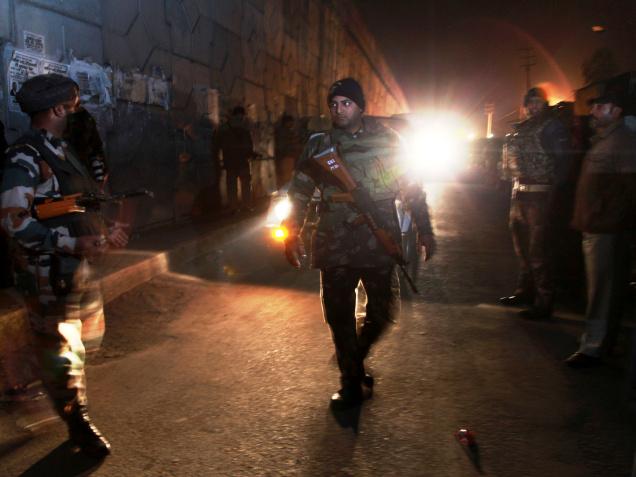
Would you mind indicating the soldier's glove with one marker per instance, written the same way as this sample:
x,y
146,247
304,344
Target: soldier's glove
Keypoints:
x,y
294,250
427,242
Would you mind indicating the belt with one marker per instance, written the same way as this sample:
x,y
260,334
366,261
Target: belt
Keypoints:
x,y
518,187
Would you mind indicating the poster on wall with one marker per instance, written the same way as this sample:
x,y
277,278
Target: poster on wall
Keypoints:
x,y
21,67
93,80
159,92
54,67
130,86
33,42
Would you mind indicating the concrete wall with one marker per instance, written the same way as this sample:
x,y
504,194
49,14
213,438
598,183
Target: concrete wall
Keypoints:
x,y
273,56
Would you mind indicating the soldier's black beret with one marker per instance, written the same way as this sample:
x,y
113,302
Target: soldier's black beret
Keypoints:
x,y
45,91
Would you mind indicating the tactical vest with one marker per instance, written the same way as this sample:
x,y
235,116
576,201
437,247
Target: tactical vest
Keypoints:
x,y
72,178
340,239
526,158
365,166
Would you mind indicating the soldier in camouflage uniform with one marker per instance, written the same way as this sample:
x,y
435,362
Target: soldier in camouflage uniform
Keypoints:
x,y
64,302
345,250
536,159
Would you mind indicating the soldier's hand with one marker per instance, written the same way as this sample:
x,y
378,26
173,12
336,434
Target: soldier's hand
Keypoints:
x,y
117,237
428,244
91,245
294,249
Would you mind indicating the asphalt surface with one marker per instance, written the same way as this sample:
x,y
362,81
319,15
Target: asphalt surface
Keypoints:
x,y
224,367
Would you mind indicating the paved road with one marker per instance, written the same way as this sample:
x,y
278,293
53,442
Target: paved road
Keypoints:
x,y
224,368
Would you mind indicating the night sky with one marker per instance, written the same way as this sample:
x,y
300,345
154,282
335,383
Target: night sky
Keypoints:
x,y
460,55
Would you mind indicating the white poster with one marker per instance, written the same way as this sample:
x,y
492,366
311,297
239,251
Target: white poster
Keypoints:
x,y
54,67
159,92
93,80
130,86
21,67
33,42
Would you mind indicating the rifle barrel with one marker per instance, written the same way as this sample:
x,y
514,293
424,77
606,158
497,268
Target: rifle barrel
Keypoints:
x,y
409,279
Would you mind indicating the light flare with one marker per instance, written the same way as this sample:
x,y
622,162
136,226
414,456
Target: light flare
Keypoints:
x,y
437,145
280,233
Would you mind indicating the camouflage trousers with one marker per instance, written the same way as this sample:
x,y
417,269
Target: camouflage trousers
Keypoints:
x,y
530,227
65,327
338,293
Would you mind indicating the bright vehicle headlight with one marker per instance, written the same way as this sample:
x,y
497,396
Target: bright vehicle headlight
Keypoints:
x,y
282,209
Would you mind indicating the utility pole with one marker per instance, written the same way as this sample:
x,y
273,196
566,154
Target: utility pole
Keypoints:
x,y
529,60
489,109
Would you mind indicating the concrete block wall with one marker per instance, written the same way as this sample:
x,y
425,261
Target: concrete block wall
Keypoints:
x,y
272,56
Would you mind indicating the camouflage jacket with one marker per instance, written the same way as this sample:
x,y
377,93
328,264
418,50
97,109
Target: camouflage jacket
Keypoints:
x,y
372,156
28,177
536,152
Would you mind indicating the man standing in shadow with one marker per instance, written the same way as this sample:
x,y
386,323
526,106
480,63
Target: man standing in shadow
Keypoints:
x,y
235,142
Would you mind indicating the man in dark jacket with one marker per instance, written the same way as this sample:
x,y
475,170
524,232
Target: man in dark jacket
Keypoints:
x,y
82,134
235,141
288,148
605,211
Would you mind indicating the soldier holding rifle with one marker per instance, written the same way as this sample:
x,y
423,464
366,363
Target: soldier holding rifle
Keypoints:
x,y
52,260
356,167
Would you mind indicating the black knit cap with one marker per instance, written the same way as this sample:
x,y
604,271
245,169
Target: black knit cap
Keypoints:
x,y
349,88
45,91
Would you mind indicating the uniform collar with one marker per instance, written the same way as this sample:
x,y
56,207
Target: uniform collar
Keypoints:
x,y
49,137
55,144
343,133
369,126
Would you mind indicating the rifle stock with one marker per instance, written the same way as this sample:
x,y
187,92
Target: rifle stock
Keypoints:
x,y
334,169
50,208
77,203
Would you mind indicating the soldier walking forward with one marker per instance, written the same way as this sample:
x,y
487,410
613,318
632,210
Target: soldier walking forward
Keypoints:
x,y
52,255
344,249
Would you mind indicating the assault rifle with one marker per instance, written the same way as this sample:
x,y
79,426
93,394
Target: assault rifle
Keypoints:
x,y
77,203
330,166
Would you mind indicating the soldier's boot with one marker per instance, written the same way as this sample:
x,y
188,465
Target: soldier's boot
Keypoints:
x,y
368,381
350,396
541,309
352,393
84,434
